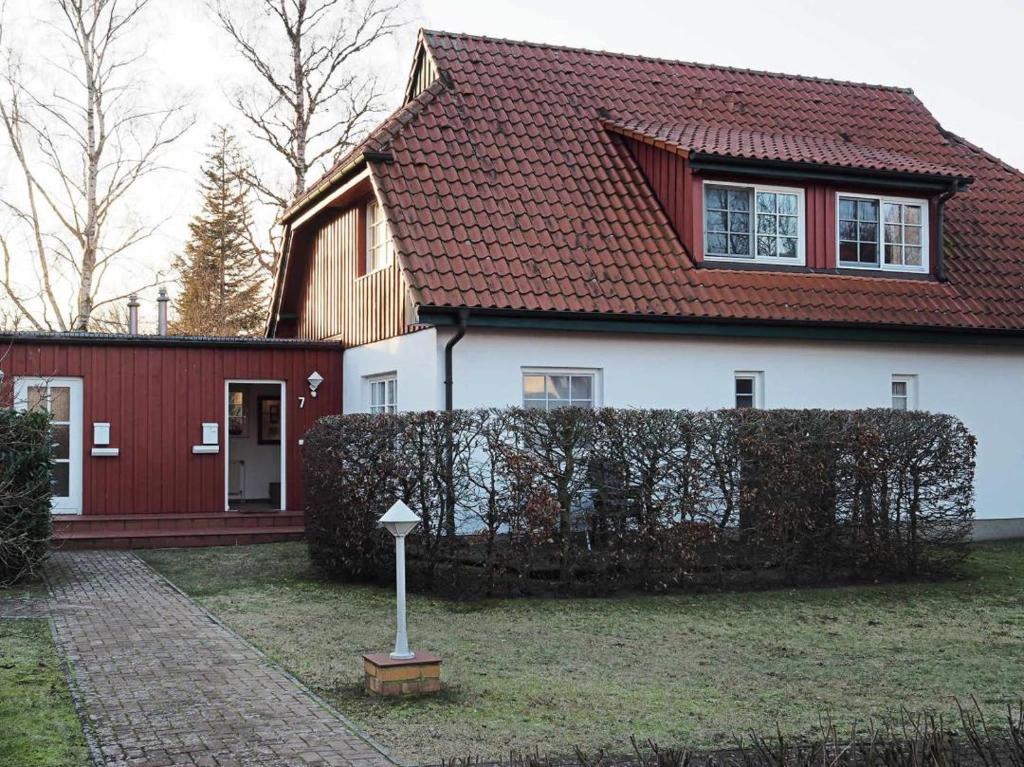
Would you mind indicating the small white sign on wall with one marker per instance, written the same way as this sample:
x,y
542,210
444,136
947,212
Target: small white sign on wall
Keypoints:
x,y
211,433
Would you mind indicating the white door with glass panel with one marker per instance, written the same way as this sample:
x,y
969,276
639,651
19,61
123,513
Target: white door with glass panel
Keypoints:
x,y
62,399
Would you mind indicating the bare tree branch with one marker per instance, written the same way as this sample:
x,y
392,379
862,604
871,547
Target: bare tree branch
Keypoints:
x,y
312,98
83,140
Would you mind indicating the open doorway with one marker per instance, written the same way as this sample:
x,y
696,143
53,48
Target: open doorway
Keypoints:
x,y
254,462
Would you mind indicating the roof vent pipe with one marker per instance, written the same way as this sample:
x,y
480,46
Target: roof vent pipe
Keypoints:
x,y
161,312
133,314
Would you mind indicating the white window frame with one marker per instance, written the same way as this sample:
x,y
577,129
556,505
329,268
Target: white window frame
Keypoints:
x,y
881,199
801,225
379,253
757,376
593,373
378,380
910,380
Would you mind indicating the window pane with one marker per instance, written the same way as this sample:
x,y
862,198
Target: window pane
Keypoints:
x,y
847,230
892,232
787,226
61,441
787,247
868,253
60,403
36,398
535,404
739,222
765,202
392,391
744,386
62,480
739,245
744,401
533,386
714,198
715,220
868,232
912,256
582,387
867,210
892,213
893,255
912,214
558,386
899,403
787,204
718,244
848,252
912,235
739,199
847,208
766,224
899,388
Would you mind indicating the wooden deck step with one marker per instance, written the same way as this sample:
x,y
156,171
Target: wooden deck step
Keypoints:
x,y
167,539
176,530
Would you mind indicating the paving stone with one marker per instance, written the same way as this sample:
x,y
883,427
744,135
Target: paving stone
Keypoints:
x,y
164,685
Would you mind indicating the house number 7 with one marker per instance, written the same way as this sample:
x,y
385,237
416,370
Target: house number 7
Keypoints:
x,y
302,402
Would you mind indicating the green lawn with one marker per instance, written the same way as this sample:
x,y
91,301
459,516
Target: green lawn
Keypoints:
x,y
693,669
38,724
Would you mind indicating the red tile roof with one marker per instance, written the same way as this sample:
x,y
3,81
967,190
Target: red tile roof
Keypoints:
x,y
508,192
726,141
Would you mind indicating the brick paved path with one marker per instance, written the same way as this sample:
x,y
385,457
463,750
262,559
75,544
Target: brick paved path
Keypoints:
x,y
164,684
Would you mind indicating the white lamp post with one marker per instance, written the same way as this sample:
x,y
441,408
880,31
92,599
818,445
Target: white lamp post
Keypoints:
x,y
400,521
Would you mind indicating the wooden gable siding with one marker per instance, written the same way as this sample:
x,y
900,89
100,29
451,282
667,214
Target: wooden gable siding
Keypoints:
x,y
156,399
668,175
335,299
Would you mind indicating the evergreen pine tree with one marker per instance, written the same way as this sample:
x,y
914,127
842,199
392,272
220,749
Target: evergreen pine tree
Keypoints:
x,y
222,292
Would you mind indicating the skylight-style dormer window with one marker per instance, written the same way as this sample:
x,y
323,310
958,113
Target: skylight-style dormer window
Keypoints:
x,y
888,233
760,224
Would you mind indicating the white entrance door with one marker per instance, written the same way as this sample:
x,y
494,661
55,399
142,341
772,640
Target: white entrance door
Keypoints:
x,y
62,398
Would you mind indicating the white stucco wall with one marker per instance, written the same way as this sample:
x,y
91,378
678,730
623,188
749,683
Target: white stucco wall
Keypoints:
x,y
981,385
412,356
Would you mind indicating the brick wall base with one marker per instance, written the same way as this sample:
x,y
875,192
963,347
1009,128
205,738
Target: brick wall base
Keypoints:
x,y
416,676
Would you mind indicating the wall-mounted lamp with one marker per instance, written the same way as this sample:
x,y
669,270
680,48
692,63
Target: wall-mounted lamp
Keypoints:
x,y
315,379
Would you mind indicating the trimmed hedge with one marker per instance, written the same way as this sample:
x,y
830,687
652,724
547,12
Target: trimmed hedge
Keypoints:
x,y
25,493
582,501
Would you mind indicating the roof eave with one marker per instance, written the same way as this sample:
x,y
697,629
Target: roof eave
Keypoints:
x,y
742,328
819,172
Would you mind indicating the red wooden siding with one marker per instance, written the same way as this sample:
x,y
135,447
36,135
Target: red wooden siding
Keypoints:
x,y
156,399
335,298
668,175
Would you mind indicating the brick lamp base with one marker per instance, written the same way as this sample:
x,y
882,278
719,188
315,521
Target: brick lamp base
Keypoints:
x,y
415,676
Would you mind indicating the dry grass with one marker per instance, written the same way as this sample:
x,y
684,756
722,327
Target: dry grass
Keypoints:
x,y
693,669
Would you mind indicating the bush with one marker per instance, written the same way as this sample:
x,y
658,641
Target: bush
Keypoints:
x,y
579,501
25,492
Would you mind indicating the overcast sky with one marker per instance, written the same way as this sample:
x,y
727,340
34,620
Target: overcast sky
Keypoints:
x,y
964,60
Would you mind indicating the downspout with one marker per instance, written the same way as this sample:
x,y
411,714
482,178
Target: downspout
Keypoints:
x,y
449,379
940,249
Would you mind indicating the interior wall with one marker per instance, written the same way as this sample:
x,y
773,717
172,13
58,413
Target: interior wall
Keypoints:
x,y
262,462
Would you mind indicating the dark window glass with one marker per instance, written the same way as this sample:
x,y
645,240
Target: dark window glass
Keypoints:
x,y
858,231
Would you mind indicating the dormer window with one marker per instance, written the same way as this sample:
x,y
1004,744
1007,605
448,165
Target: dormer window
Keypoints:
x,y
888,233
754,223
378,238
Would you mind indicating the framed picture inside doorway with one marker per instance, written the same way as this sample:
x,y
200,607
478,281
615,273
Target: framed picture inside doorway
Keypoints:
x,y
269,420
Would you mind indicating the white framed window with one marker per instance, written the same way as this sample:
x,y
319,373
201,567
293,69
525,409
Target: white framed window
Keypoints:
x,y
382,391
748,389
878,232
379,252
547,389
754,223
904,392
